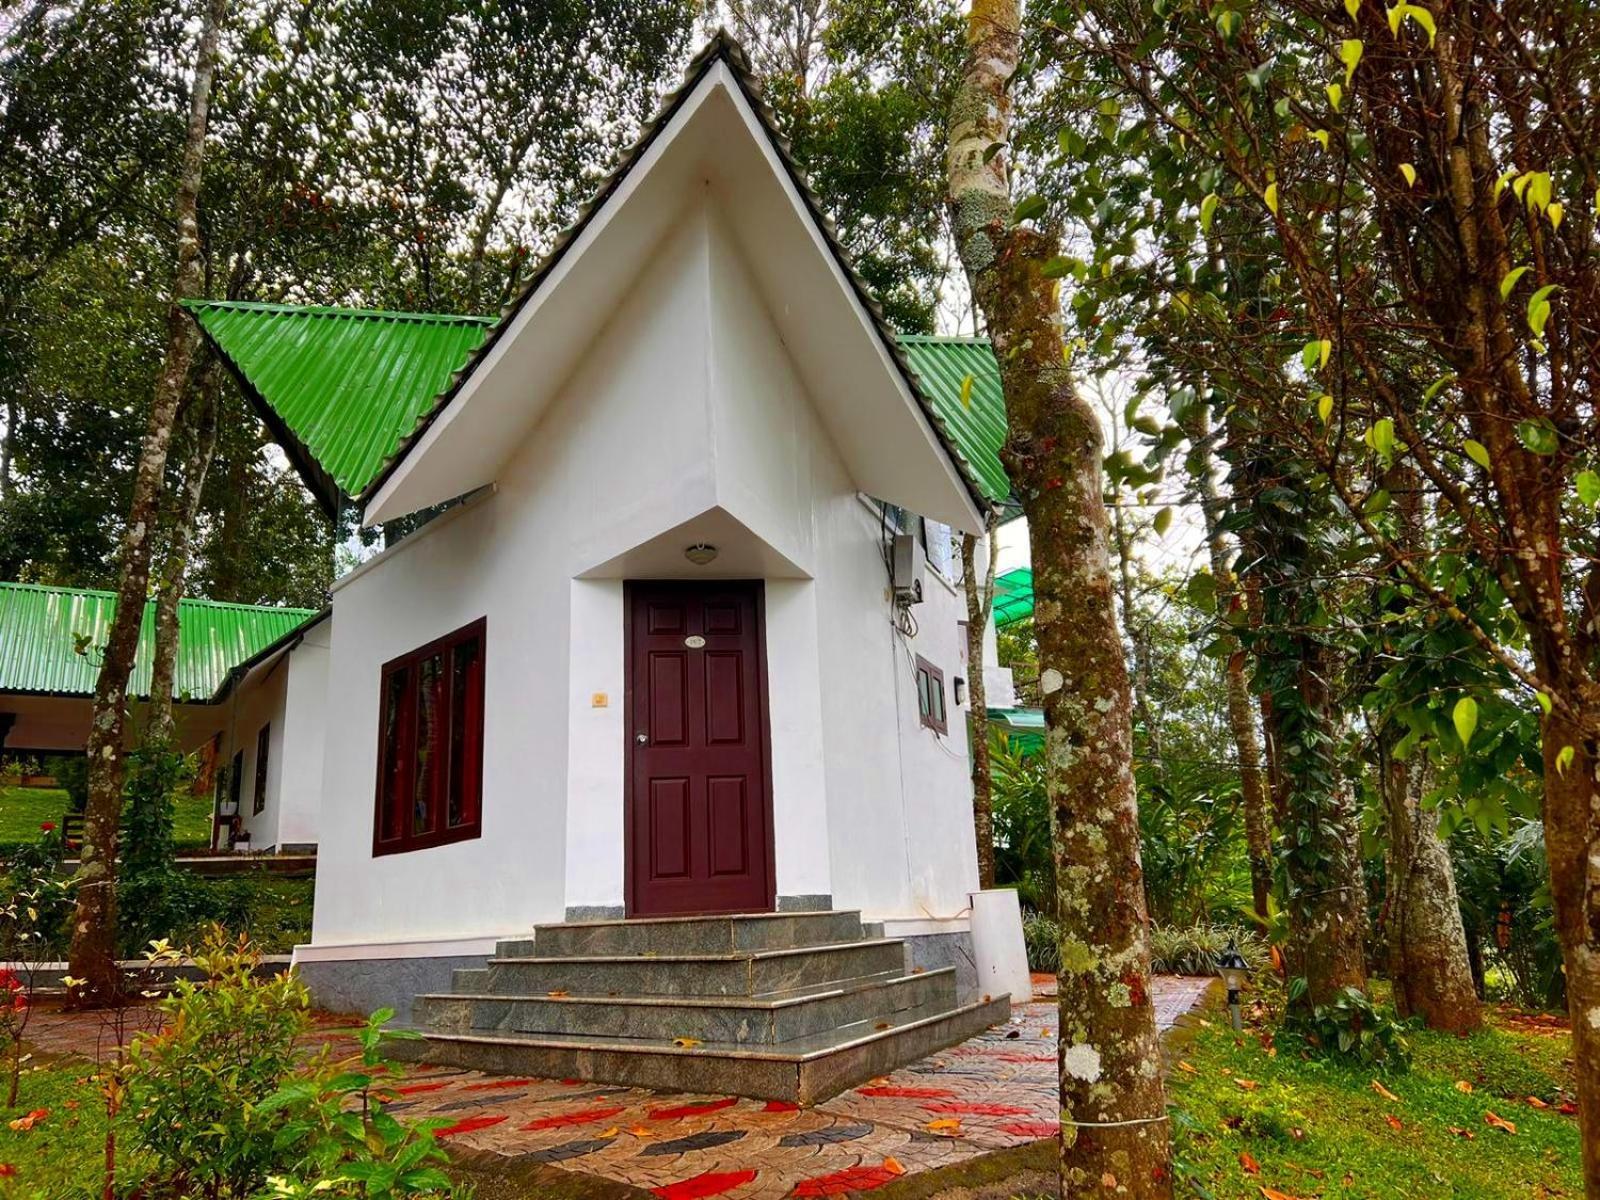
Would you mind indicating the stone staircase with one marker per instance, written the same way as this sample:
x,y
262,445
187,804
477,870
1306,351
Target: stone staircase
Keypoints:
x,y
780,1006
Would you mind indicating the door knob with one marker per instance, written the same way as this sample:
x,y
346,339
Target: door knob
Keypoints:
x,y
641,738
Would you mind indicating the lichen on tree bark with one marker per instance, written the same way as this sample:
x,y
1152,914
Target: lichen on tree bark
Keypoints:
x,y
1114,1127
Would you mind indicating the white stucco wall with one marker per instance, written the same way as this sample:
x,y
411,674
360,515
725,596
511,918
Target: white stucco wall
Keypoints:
x,y
247,710
685,421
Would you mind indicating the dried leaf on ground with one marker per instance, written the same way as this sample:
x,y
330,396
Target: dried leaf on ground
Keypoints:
x,y
1248,1162
1385,1092
1498,1122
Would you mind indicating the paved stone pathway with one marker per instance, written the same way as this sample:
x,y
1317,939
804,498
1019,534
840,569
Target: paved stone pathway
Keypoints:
x,y
994,1091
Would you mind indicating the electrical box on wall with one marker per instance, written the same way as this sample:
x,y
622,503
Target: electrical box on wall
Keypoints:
x,y
907,563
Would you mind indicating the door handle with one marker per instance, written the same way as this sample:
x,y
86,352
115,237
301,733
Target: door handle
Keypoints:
x,y
642,738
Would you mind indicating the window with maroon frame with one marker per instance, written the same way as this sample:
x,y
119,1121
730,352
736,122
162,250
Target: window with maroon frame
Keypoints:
x,y
930,696
430,744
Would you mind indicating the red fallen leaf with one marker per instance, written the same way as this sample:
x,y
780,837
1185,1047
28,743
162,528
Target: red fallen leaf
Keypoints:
x,y
7,1171
851,1179
23,1124
494,1085
1535,1102
697,1187
1275,1194
776,1106
692,1110
1248,1162
908,1093
1568,1109
1498,1122
470,1125
1394,1122
412,1089
587,1117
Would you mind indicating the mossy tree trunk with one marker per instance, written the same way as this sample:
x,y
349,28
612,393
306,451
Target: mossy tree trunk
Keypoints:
x,y
1114,1124
980,604
94,928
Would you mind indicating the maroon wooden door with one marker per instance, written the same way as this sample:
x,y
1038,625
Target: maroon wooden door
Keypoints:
x,y
699,801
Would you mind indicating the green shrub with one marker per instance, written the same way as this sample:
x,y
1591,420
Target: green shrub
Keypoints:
x,y
1349,1026
1195,949
220,1104
71,773
1042,937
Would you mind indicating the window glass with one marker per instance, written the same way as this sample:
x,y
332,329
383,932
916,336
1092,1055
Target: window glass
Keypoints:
x,y
263,741
930,695
430,758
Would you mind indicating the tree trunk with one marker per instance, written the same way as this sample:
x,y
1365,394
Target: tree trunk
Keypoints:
x,y
1114,1123
1428,961
1572,845
980,603
93,955
169,590
1241,710
1138,637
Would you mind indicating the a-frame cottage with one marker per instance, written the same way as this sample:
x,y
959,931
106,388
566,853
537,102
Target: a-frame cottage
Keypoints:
x,y
656,731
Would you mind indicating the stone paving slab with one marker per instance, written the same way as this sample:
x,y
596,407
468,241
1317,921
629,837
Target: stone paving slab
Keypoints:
x,y
993,1092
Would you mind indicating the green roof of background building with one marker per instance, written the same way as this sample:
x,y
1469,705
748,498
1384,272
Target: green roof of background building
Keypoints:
x,y
41,627
1013,597
342,388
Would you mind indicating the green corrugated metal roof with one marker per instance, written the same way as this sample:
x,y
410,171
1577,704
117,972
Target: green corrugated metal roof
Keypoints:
x,y
978,428
343,387
39,627
1013,597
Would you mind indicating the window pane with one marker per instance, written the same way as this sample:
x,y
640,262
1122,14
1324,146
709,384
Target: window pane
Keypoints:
x,y
392,802
236,778
263,741
466,721
430,743
922,691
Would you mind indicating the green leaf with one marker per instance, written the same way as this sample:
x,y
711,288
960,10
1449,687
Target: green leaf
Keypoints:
x,y
1335,95
1539,436
1208,210
1350,52
1314,355
1409,174
1377,502
991,150
1509,280
1163,521
1270,196
1030,208
1401,12
1381,437
1588,484
1539,308
1437,386
1353,7
966,391
1229,23
1058,267
1564,758
1465,718
1325,407
1544,701
1477,452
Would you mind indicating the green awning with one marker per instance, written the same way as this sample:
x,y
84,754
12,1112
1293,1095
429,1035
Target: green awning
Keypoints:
x,y
42,627
1013,597
342,388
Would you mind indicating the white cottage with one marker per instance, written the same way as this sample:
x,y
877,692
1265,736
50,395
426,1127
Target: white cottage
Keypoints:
x,y
685,643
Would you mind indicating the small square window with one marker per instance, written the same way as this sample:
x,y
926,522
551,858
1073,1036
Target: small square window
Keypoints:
x,y
930,696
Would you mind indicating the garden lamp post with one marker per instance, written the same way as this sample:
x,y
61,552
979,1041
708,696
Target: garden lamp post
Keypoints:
x,y
1234,973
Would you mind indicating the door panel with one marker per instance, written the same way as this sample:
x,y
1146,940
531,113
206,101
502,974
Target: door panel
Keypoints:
x,y
699,798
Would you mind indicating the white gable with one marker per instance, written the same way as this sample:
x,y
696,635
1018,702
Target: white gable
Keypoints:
x,y
711,161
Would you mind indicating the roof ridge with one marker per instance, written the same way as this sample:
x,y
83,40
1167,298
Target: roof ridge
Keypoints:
x,y
108,594
943,339
340,310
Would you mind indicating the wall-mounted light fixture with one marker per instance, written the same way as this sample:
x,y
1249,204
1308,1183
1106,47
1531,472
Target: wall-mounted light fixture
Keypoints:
x,y
961,691
700,553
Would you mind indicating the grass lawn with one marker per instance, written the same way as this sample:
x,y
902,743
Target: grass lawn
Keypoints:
x,y
62,1153
23,810
1311,1128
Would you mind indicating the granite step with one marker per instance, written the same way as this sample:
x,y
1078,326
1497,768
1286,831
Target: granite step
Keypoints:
x,y
746,973
805,1070
742,1020
687,935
